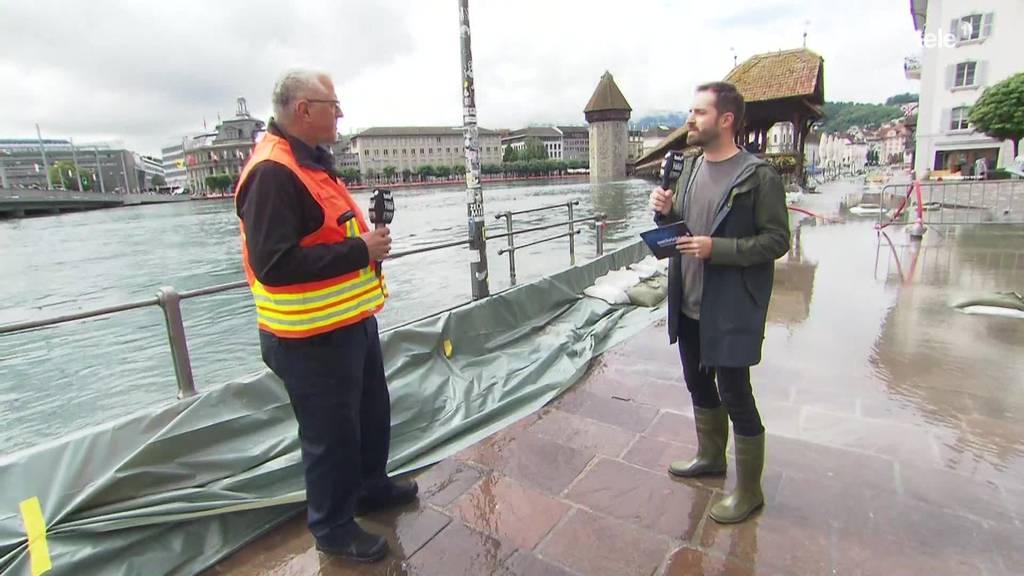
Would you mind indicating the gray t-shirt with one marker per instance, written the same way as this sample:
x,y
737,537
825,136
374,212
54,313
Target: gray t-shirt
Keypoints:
x,y
708,190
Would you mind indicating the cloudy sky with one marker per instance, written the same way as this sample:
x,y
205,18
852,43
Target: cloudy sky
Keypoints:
x,y
147,72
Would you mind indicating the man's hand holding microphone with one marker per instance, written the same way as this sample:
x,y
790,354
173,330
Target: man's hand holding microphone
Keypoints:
x,y
378,243
382,212
661,203
661,198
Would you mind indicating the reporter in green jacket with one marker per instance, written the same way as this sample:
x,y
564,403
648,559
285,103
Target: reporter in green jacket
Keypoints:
x,y
719,287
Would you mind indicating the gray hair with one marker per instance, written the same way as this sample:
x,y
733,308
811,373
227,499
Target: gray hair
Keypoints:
x,y
291,86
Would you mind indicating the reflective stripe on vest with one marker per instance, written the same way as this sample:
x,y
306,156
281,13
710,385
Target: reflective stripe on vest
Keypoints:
x,y
311,308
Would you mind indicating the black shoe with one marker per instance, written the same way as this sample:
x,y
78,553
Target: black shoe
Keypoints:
x,y
353,543
392,494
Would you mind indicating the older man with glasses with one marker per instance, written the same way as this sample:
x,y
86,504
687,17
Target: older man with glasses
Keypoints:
x,y
312,263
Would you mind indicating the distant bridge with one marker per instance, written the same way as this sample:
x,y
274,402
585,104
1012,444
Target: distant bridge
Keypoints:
x,y
19,203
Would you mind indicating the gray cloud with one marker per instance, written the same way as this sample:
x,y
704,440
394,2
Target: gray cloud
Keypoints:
x,y
147,72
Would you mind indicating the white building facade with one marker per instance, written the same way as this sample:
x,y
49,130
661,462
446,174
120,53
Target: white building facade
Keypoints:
x,y
550,137
780,138
967,46
173,156
409,147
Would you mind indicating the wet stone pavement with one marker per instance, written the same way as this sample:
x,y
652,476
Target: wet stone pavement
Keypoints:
x,y
895,442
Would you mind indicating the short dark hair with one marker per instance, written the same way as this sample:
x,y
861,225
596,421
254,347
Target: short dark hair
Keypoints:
x,y
727,99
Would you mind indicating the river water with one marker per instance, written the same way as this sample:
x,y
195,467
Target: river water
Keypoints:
x,y
57,380
860,324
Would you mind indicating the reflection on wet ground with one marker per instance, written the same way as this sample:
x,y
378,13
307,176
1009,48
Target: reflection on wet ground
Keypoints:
x,y
896,439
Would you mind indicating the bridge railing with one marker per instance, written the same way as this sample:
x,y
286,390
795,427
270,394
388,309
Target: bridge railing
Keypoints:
x,y
598,221
169,299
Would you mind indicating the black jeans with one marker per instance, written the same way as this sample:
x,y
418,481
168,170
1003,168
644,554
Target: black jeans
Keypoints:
x,y
733,388
340,397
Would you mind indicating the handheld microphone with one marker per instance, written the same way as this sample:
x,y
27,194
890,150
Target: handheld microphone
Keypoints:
x,y
382,211
671,169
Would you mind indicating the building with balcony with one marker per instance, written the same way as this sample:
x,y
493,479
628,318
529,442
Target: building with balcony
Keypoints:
x,y
967,46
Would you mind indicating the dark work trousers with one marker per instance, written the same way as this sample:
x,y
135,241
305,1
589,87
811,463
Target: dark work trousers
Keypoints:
x,y
733,389
340,397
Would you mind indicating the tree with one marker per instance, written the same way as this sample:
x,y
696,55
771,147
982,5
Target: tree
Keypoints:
x,y
999,112
159,180
840,116
349,175
219,182
905,98
443,171
510,155
549,166
424,171
535,149
406,175
62,173
371,174
517,168
389,173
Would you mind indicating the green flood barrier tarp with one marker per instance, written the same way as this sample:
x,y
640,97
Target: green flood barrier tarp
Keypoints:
x,y
174,489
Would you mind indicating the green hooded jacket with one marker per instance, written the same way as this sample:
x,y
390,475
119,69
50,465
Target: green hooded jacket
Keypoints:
x,y
750,231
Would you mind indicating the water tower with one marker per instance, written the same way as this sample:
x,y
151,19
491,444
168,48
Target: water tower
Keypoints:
x,y
607,114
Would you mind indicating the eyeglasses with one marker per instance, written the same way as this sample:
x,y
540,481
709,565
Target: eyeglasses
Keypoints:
x,y
335,103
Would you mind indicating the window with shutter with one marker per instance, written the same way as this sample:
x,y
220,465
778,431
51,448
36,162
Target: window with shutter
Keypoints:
x,y
965,74
986,26
959,118
968,28
981,74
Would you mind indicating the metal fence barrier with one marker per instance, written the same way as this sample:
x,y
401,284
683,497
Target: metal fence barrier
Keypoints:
x,y
954,203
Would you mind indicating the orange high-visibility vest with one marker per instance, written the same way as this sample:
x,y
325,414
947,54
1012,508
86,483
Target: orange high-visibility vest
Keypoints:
x,y
311,308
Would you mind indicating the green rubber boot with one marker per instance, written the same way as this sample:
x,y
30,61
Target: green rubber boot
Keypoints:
x,y
712,437
747,497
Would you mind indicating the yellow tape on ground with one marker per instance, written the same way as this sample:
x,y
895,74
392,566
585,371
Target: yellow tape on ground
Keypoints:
x,y
35,529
